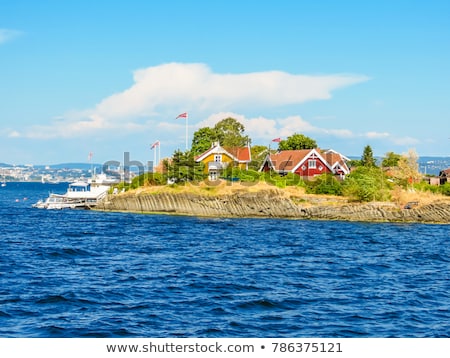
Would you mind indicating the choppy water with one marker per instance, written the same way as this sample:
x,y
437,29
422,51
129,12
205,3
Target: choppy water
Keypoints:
x,y
93,274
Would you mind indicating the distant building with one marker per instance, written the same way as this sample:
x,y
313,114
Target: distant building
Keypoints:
x,y
444,176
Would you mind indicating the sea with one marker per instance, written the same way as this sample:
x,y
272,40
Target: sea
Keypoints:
x,y
77,273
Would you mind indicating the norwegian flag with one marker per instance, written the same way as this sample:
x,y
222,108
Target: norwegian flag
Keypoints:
x,y
278,140
182,115
156,144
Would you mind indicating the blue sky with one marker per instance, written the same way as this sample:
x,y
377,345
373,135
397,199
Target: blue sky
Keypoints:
x,y
110,77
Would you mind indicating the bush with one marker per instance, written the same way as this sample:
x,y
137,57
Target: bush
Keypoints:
x,y
435,189
245,176
146,179
282,181
423,186
367,184
445,189
324,184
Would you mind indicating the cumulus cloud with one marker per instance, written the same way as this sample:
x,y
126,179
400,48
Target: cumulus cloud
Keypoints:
x,y
178,85
261,128
163,91
268,128
8,35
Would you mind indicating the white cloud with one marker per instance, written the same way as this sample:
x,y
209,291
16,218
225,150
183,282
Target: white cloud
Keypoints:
x,y
166,90
76,128
261,128
376,135
178,85
14,134
8,35
400,141
266,128
405,141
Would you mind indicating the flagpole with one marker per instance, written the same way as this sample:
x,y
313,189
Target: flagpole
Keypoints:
x,y
187,116
154,159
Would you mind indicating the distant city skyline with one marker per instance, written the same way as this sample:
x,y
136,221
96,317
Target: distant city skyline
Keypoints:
x,y
105,78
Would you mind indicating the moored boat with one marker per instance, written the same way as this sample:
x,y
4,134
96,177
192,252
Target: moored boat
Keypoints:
x,y
79,195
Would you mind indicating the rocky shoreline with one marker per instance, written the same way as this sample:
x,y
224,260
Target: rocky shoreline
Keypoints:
x,y
272,204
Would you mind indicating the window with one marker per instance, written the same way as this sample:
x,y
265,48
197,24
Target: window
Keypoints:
x,y
312,164
218,158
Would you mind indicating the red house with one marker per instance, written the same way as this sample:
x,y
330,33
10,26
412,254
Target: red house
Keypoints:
x,y
307,163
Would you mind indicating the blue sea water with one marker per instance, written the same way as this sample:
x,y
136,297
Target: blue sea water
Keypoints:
x,y
94,274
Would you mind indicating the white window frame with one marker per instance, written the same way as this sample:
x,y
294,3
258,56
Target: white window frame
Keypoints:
x,y
312,163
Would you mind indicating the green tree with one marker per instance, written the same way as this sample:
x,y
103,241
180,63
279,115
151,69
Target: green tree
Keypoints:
x,y
367,159
391,160
408,168
230,133
259,153
367,184
353,163
183,167
324,184
202,140
296,142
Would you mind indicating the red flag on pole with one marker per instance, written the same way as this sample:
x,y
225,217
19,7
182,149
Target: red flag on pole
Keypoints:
x,y
182,115
156,144
90,155
278,140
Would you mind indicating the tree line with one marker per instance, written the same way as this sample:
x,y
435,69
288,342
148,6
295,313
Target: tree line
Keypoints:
x,y
368,180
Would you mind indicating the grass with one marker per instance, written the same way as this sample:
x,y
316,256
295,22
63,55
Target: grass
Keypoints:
x,y
298,194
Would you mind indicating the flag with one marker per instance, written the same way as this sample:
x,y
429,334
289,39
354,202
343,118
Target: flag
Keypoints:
x,y
90,155
156,144
182,115
278,140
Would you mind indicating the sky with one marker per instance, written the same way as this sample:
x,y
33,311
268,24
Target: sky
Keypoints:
x,y
108,77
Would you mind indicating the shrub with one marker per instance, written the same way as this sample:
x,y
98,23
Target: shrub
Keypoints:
x,y
148,179
324,184
367,184
445,189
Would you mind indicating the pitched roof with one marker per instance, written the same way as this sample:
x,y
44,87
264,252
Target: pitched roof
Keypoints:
x,y
333,158
289,160
239,154
242,154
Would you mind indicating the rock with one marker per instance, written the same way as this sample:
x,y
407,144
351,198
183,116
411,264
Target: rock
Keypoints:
x,y
272,204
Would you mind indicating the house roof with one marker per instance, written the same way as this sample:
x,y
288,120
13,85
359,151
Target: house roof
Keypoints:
x,y
290,160
445,173
287,160
242,154
239,154
334,158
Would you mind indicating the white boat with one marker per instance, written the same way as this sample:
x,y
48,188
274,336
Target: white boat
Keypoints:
x,y
79,195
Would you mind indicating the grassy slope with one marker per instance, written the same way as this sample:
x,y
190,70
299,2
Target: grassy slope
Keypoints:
x,y
399,197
